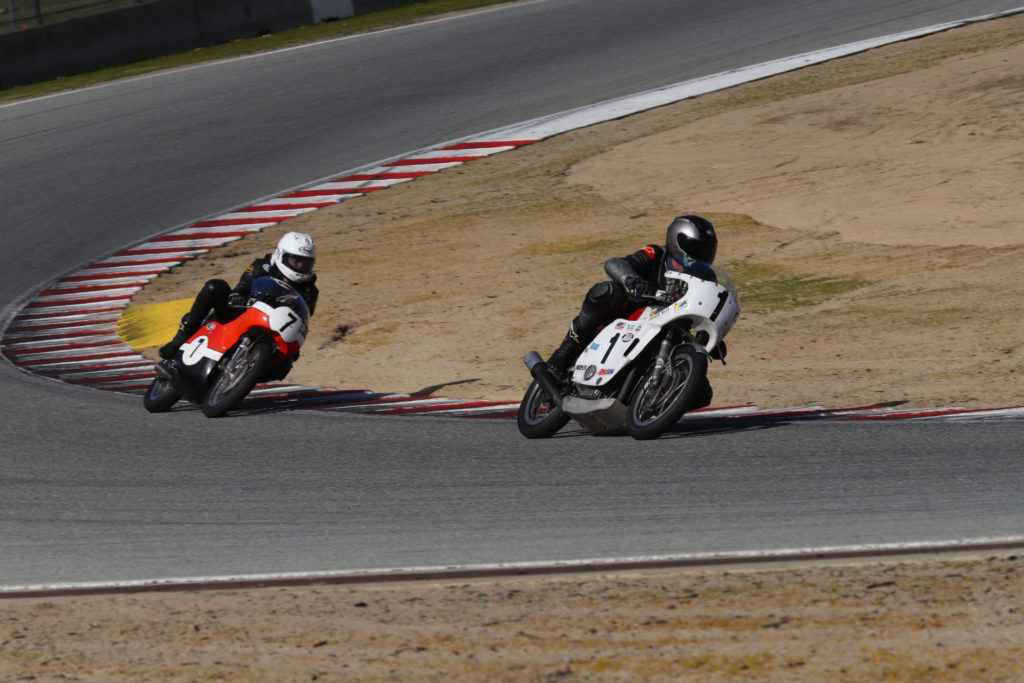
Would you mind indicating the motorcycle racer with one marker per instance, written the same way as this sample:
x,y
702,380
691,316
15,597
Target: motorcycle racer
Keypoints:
x,y
292,261
690,247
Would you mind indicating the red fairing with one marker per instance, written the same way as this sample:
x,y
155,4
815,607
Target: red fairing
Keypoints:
x,y
223,337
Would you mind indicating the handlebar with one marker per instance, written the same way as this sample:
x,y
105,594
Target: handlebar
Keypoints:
x,y
660,297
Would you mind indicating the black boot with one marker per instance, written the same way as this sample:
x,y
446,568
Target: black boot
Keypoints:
x,y
566,353
190,324
703,397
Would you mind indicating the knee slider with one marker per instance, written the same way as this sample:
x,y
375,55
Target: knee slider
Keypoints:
x,y
217,288
601,294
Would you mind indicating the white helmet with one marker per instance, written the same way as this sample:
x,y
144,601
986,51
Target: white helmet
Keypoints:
x,y
294,256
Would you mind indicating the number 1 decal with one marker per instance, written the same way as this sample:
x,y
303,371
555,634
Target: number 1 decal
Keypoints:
x,y
722,298
611,346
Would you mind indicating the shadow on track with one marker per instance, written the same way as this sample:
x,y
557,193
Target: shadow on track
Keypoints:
x,y
696,424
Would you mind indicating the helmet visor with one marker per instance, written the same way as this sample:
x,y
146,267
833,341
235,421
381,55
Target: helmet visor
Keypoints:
x,y
300,264
679,266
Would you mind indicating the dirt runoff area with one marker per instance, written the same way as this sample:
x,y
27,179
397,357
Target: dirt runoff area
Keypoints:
x,y
869,210
952,620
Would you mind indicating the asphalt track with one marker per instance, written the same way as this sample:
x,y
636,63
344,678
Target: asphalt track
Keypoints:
x,y
94,489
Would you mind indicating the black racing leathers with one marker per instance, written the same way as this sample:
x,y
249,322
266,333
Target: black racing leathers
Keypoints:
x,y
608,300
214,295
263,266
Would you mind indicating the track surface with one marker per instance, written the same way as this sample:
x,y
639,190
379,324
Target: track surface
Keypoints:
x,y
92,488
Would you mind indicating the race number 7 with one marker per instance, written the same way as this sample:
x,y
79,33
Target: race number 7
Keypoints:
x,y
292,319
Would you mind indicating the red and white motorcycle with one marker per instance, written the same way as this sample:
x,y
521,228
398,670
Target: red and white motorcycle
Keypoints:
x,y
220,364
642,372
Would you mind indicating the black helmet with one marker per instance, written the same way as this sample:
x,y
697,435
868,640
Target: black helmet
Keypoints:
x,y
691,237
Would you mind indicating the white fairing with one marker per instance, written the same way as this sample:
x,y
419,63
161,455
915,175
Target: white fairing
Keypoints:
x,y
196,350
707,306
283,320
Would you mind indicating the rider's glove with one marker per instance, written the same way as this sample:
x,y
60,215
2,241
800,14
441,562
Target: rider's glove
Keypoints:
x,y
637,288
236,300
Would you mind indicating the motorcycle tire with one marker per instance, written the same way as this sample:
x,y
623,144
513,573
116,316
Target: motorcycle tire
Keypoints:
x,y
160,395
236,380
539,417
653,409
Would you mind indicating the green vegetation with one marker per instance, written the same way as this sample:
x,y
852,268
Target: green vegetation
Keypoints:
x,y
407,14
765,288
598,247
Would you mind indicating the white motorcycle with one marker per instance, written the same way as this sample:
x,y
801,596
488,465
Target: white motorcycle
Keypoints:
x,y
643,371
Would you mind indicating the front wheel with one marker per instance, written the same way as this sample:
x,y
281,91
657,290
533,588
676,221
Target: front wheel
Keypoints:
x,y
657,405
160,395
539,417
240,374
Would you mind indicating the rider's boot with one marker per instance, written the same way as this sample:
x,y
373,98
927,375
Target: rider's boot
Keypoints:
x,y
190,324
703,397
566,353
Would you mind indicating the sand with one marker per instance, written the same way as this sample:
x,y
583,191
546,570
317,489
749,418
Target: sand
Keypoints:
x,y
866,208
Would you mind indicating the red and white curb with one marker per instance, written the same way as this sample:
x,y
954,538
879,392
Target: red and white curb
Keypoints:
x,y
68,331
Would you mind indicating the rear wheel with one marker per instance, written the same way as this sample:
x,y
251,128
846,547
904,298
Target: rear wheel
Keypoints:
x,y
657,405
539,416
239,375
160,395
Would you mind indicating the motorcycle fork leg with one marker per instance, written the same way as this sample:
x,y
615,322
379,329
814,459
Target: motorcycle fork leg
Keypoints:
x,y
664,353
627,386
243,344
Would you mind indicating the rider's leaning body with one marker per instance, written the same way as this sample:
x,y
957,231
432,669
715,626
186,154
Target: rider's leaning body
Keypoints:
x,y
292,261
690,247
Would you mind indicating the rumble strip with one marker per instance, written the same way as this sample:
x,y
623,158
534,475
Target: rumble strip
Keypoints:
x,y
68,331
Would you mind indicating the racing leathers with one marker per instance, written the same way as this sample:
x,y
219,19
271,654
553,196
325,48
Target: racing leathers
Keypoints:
x,y
226,303
633,277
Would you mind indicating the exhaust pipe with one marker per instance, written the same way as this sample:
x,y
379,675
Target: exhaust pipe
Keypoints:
x,y
535,364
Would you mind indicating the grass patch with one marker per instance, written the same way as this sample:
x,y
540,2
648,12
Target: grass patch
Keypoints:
x,y
602,246
407,14
768,288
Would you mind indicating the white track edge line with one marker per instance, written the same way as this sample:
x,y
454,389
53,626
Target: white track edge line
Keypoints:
x,y
753,555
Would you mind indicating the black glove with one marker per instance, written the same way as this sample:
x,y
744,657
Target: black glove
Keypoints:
x,y
637,288
236,300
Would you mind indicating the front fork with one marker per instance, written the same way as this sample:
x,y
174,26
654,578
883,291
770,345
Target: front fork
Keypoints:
x,y
664,356
240,352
